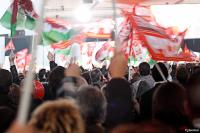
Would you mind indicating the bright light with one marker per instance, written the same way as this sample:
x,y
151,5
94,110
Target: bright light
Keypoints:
x,y
83,14
183,16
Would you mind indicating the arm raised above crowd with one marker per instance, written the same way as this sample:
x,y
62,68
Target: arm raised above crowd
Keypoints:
x,y
73,70
118,65
51,58
13,69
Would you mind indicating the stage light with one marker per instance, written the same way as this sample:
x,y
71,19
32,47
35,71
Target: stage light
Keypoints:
x,y
83,13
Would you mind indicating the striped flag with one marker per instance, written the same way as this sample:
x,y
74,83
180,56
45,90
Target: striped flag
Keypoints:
x,y
162,43
19,14
104,52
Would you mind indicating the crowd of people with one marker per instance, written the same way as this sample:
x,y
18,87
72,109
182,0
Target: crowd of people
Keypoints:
x,y
164,99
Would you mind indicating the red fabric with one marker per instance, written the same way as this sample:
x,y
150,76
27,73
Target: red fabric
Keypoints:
x,y
57,23
38,91
14,12
67,43
21,58
10,46
146,26
27,6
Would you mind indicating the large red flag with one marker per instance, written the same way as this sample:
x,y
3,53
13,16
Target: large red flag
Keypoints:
x,y
162,43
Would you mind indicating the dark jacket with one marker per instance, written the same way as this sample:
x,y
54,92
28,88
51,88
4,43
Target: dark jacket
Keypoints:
x,y
52,65
15,76
94,128
146,103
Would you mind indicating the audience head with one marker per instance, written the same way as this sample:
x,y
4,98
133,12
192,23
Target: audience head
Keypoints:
x,y
193,91
145,127
61,116
92,103
119,98
169,104
156,74
135,77
95,76
7,116
55,77
182,75
5,81
144,69
41,75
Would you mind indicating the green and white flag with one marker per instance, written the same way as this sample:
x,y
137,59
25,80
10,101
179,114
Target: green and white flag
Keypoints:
x,y
19,16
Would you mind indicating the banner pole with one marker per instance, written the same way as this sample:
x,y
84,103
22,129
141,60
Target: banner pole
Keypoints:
x,y
160,71
26,96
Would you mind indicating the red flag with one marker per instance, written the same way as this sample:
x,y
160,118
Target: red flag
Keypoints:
x,y
21,58
27,6
14,18
10,46
103,52
162,43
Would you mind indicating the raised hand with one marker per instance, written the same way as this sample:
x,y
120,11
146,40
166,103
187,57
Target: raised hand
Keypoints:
x,y
51,56
73,69
118,65
12,58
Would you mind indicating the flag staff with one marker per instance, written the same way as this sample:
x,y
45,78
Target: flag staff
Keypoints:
x,y
26,96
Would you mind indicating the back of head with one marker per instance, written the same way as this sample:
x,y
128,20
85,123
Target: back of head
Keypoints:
x,y
41,75
145,127
144,69
5,81
182,75
95,76
61,116
119,98
92,103
56,77
168,103
156,74
7,116
193,91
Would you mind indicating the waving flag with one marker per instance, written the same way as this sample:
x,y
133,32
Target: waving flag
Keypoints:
x,y
21,58
19,14
10,46
162,43
104,52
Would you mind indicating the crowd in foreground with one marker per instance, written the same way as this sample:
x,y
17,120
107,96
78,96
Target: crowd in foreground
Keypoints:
x,y
74,100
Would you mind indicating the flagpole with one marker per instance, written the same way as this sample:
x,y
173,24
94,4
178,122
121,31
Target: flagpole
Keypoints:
x,y
115,24
160,71
26,96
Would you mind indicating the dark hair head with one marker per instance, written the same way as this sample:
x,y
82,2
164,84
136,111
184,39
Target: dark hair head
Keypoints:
x,y
182,75
168,103
56,77
119,98
155,73
144,127
193,91
5,80
7,116
41,75
144,69
92,103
